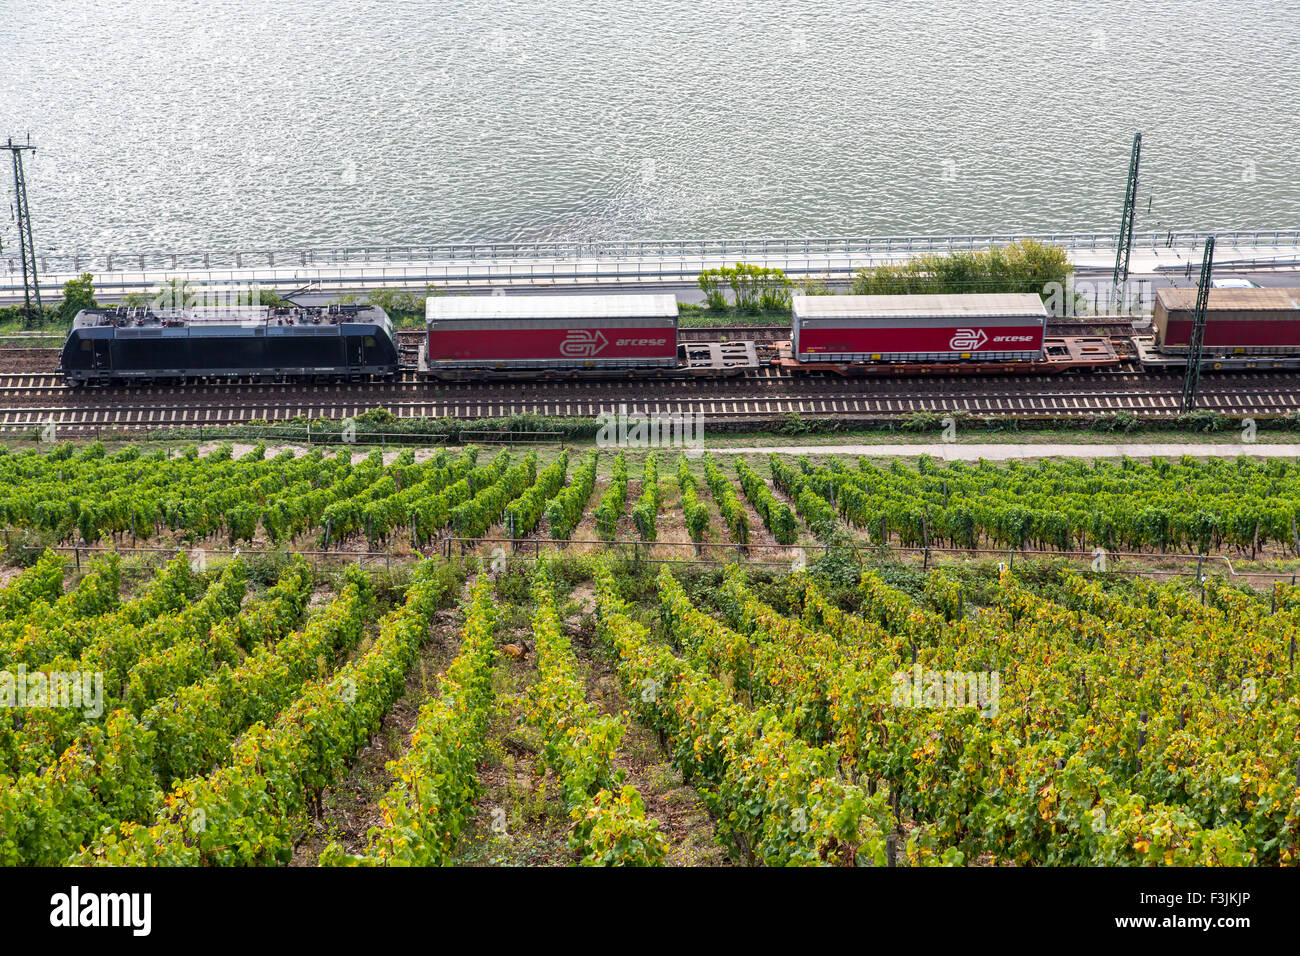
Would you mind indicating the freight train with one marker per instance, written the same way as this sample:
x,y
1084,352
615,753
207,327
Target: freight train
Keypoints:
x,y
528,337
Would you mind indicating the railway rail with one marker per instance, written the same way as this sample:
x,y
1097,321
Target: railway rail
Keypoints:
x,y
765,379
1161,397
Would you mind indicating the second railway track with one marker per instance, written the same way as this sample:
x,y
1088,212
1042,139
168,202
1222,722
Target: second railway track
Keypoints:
x,y
92,418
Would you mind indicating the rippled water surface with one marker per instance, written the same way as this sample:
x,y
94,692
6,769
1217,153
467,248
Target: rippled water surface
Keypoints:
x,y
311,122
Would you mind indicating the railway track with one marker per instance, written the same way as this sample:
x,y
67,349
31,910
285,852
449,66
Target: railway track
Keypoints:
x,y
1161,400
29,388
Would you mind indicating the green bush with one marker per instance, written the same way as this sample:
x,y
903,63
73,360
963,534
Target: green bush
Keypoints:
x,y
753,288
1023,266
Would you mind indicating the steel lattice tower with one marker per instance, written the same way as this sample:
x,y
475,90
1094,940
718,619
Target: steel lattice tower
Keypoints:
x,y
1120,276
1197,342
27,249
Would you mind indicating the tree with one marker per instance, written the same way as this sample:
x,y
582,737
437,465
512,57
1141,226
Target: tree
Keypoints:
x,y
753,288
400,305
78,294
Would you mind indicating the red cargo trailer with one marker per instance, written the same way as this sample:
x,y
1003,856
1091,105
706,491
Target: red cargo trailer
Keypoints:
x,y
1000,327
551,332
1237,321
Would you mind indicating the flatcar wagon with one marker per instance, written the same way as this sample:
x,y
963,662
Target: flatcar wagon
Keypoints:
x,y
1244,328
1237,321
549,332
523,336
139,345
932,334
918,328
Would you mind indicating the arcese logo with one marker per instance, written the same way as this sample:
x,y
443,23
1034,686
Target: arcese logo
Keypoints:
x,y
583,343
970,340
967,340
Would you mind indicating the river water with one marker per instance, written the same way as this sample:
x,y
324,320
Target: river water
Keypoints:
x,y
236,123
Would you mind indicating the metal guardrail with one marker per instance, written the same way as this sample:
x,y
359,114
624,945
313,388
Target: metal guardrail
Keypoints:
x,y
288,257
869,555
438,274
359,558
532,547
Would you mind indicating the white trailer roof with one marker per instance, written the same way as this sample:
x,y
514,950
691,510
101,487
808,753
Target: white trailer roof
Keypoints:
x,y
919,306
550,306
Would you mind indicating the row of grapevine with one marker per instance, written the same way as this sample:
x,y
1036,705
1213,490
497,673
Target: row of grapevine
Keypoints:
x,y
473,518
65,628
95,595
811,506
108,774
695,511
402,510
170,647
93,495
248,811
729,505
197,654
778,799
437,777
388,503
566,509
1115,741
1200,506
433,513
776,515
195,728
523,514
614,500
42,582
197,497
646,510
578,745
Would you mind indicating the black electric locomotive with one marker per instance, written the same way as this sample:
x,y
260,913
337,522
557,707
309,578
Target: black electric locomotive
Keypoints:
x,y
139,345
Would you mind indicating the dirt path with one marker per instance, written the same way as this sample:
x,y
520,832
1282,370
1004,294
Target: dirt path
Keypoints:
x,y
676,807
521,819
351,807
763,545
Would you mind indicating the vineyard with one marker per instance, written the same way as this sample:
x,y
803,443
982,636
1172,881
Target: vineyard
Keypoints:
x,y
348,501
575,706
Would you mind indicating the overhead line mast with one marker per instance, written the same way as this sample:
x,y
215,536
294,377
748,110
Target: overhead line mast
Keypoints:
x,y
1197,342
1119,279
27,249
